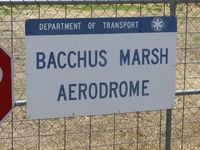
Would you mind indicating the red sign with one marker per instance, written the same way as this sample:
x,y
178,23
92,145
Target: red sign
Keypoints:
x,y
6,88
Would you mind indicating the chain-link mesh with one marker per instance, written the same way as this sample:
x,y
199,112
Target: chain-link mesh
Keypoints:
x,y
127,131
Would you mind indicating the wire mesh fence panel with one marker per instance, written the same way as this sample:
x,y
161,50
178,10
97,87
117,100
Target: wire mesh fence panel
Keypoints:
x,y
120,131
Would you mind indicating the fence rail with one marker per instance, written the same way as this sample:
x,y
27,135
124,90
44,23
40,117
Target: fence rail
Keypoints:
x,y
43,2
178,128
177,93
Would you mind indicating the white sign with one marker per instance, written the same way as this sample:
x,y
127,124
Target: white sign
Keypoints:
x,y
100,65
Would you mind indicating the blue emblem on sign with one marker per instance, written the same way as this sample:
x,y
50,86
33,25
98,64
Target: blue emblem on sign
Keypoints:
x,y
157,24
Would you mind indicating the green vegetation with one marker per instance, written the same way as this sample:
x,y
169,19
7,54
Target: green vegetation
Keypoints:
x,y
5,10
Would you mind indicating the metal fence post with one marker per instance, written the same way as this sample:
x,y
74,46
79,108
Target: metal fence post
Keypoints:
x,y
168,129
172,7
169,111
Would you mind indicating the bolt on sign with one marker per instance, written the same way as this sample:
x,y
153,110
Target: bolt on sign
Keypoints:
x,y
89,66
6,84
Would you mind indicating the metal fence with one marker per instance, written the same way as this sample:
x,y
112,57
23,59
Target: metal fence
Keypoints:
x,y
176,129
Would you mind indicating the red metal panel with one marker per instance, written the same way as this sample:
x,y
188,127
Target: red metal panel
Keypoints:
x,y
5,84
